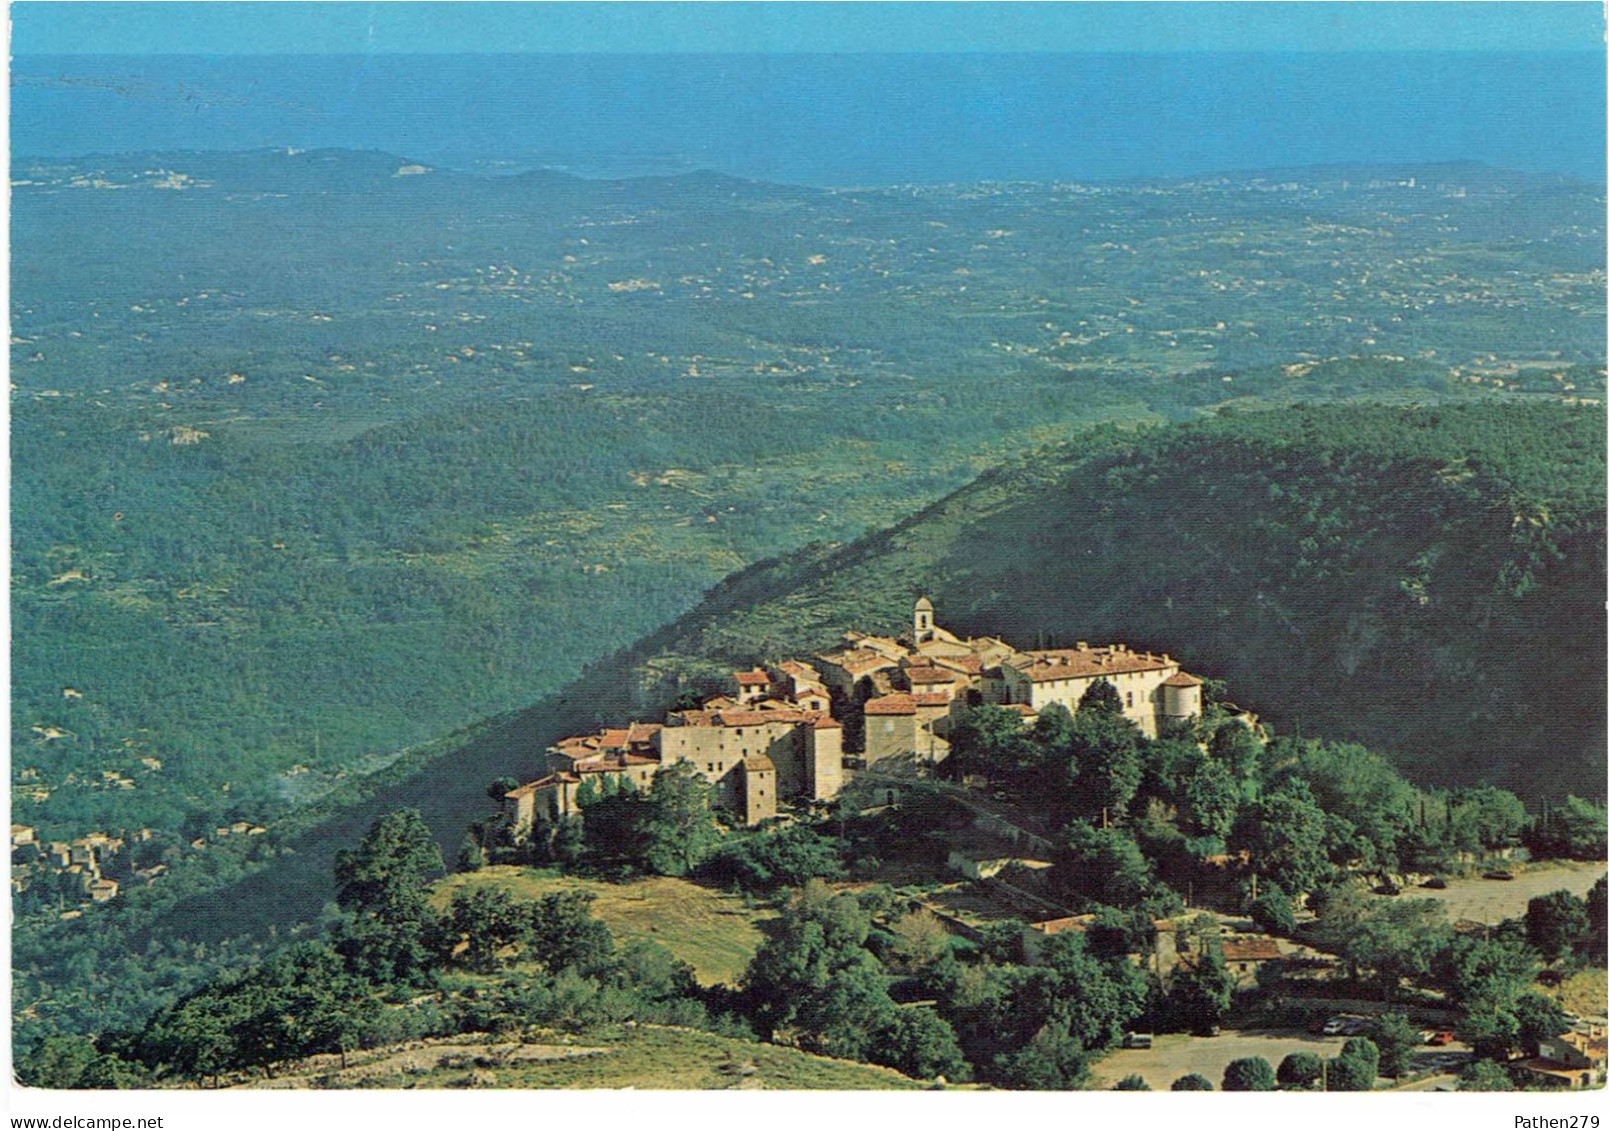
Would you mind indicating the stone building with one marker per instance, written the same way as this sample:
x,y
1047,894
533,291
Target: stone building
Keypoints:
x,y
774,738
1151,687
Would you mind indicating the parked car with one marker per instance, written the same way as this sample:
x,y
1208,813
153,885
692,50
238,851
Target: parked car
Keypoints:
x,y
1136,1040
1435,883
1334,1026
1498,875
1442,1037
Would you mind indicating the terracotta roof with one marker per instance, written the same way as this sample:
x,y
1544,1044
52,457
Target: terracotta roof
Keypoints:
x,y
613,763
896,704
750,678
758,763
827,722
931,699
856,661
1250,950
540,784
1182,679
760,718
694,718
969,665
643,732
1082,663
799,670
929,675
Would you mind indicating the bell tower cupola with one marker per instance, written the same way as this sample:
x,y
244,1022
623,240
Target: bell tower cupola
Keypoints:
x,y
922,625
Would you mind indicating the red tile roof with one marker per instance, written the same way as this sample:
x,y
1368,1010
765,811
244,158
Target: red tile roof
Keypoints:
x,y
896,704
1250,950
613,763
827,722
750,678
1182,679
738,718
1082,663
643,732
540,784
799,670
856,661
929,675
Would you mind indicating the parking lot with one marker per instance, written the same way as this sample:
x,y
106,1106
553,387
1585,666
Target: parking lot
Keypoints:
x,y
1492,901
1173,1055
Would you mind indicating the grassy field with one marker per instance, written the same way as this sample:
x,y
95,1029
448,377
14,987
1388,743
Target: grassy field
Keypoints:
x,y
710,930
1584,994
643,1057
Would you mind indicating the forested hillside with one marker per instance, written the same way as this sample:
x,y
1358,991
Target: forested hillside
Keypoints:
x,y
1425,580
320,454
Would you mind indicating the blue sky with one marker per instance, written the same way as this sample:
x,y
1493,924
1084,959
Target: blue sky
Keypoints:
x,y
320,28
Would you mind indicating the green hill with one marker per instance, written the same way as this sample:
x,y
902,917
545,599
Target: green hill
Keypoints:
x,y
1428,581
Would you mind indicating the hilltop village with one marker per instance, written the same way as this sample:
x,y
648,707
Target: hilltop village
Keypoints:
x,y
778,733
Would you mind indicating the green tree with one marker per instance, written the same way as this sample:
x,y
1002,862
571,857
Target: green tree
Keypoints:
x,y
1300,1072
814,981
383,883
679,831
1101,698
479,925
920,1043
1284,833
1133,1082
1237,750
563,935
387,873
1101,865
471,856
1211,800
1199,996
1556,923
775,858
1104,763
1356,1068
1485,1076
1396,1038
987,739
1272,910
1194,1082
1050,1061
1539,1018
1248,1074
